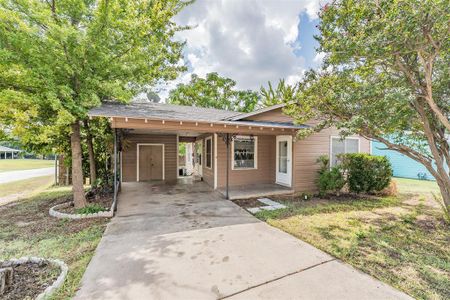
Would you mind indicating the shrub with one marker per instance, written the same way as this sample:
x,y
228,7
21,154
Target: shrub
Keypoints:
x,y
90,209
330,180
366,173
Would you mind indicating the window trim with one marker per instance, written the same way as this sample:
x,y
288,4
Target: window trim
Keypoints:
x,y
206,153
255,138
345,147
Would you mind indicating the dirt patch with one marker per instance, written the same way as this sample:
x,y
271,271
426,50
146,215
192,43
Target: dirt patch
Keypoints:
x,y
30,279
247,203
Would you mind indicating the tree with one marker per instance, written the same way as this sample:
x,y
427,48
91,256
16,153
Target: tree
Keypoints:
x,y
214,92
60,58
386,77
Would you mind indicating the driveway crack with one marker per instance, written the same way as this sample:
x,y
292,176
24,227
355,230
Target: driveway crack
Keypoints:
x,y
276,279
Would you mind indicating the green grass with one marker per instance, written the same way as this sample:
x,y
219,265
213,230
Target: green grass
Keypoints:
x,y
415,186
26,229
24,164
25,187
399,240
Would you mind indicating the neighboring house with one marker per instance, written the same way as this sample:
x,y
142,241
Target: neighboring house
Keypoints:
x,y
402,165
8,153
263,148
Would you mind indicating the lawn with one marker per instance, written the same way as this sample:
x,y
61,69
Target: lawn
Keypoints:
x,y
399,240
24,164
414,186
11,191
26,229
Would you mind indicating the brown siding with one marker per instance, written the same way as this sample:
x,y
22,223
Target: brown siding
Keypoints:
x,y
129,154
266,164
305,156
275,115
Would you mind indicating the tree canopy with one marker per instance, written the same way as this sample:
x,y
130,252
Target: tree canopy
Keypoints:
x,y
214,91
385,76
59,58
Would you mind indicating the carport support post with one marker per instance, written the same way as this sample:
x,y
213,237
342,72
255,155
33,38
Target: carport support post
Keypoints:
x,y
228,162
115,168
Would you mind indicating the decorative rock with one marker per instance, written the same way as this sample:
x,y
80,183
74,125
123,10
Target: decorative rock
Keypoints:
x,y
60,215
6,278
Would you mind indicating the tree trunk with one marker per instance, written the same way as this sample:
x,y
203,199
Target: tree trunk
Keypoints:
x,y
90,146
79,199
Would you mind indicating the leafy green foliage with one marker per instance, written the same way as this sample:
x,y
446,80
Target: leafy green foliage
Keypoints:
x,y
366,173
214,92
60,58
90,209
385,77
330,180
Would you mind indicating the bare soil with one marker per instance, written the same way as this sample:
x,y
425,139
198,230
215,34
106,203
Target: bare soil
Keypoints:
x,y
30,280
104,200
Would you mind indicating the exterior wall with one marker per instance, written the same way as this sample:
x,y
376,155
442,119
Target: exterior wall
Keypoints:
x,y
275,115
265,173
402,165
305,155
129,154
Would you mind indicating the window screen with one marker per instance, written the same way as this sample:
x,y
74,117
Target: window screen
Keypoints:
x,y
209,153
338,146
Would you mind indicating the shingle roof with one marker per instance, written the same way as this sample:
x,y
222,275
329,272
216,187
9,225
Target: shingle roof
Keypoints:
x,y
7,149
161,111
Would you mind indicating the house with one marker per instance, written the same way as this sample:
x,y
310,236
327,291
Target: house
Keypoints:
x,y
402,165
6,152
238,154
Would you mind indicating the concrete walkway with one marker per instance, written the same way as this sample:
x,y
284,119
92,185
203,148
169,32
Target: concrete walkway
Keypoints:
x,y
11,176
186,242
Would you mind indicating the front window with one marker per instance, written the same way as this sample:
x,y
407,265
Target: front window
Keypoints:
x,y
340,146
208,153
244,152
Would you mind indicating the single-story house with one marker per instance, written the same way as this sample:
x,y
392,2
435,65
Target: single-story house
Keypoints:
x,y
6,152
233,151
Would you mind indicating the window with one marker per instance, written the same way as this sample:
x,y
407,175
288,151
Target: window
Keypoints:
x,y
198,153
208,152
339,146
244,152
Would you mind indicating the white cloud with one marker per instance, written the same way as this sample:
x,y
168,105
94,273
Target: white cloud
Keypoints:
x,y
250,41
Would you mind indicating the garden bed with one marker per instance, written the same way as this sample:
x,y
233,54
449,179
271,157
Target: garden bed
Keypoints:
x,y
99,204
33,278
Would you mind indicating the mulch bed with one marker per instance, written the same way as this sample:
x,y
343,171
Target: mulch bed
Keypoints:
x,y
30,279
104,200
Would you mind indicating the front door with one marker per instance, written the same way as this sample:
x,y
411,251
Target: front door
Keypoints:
x,y
150,158
284,160
198,157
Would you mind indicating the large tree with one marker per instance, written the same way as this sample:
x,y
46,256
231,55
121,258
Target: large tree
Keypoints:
x,y
386,77
59,58
213,91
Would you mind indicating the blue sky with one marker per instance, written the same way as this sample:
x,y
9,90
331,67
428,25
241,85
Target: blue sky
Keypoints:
x,y
250,41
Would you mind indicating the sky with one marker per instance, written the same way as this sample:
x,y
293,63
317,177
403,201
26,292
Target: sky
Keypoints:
x,y
250,41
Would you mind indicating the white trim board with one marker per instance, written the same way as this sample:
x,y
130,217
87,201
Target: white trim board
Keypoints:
x,y
163,159
215,160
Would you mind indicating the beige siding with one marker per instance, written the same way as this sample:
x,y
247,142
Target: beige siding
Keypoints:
x,y
305,155
129,154
275,115
265,173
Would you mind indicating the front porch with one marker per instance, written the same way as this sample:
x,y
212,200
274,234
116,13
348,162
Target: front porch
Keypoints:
x,y
255,190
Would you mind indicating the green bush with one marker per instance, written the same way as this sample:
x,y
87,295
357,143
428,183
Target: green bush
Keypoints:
x,y
366,173
90,209
330,180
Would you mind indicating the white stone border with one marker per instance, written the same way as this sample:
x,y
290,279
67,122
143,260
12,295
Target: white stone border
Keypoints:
x,y
60,215
36,260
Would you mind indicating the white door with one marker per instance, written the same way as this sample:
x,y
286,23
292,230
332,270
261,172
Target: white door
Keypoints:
x,y
284,160
199,157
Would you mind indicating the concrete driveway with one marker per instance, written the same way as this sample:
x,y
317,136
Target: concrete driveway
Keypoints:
x,y
186,242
